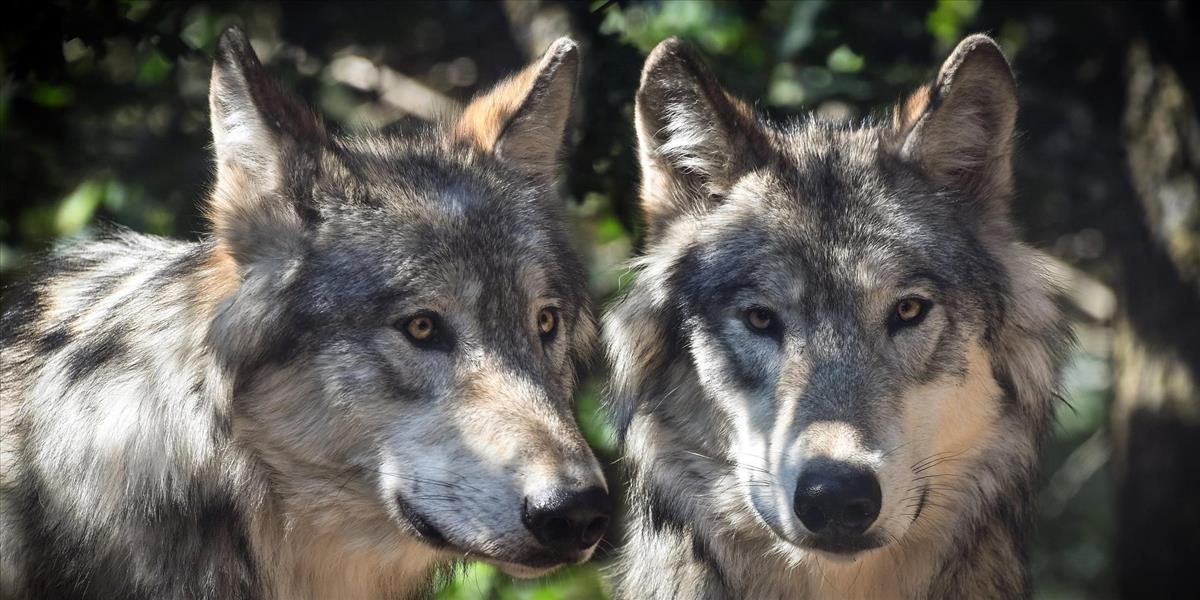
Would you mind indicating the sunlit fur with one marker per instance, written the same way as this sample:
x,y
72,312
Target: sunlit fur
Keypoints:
x,y
829,226
245,416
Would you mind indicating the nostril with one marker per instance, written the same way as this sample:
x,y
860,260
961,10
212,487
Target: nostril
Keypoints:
x,y
594,531
812,517
859,511
557,528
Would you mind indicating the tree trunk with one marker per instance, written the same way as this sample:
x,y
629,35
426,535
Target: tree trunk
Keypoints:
x,y
1156,348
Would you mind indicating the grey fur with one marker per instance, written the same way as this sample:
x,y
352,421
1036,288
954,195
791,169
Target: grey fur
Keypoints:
x,y
245,417
828,226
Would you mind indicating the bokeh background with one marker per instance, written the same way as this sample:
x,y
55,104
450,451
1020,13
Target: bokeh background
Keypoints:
x,y
103,118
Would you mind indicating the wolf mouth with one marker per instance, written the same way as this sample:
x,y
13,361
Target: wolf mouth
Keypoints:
x,y
421,525
431,535
844,548
840,548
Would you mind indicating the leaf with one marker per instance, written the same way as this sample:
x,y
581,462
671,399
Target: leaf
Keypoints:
x,y
77,208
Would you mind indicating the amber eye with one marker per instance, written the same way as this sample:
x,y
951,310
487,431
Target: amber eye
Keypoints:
x,y
547,321
760,319
420,328
909,310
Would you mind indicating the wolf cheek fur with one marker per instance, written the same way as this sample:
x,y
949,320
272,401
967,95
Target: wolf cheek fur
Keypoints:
x,y
836,364
364,372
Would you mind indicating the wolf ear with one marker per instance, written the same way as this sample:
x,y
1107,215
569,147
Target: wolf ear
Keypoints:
x,y
959,129
695,140
523,119
267,147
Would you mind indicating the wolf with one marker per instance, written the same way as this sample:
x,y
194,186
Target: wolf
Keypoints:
x,y
836,363
363,373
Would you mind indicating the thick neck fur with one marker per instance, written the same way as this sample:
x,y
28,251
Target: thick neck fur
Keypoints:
x,y
108,351
311,532
313,560
319,530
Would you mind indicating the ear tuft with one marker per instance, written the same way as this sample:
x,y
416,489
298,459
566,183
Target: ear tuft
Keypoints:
x,y
523,119
959,129
906,114
695,140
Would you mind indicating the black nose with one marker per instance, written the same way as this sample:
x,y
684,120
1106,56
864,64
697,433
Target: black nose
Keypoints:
x,y
568,520
837,499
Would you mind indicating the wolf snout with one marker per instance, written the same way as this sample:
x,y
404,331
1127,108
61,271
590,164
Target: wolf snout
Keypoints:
x,y
837,499
568,521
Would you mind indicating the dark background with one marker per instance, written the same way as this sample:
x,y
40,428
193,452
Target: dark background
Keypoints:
x,y
103,118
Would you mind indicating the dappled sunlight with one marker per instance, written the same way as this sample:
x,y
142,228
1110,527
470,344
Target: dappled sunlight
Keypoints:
x,y
104,123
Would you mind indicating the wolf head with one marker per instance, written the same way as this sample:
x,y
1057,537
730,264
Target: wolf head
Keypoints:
x,y
850,301
404,318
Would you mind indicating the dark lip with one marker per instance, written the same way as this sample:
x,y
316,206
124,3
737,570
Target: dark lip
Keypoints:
x,y
921,503
432,536
421,525
844,546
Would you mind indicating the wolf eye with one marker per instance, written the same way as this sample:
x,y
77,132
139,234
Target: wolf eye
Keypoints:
x,y
760,319
909,311
427,331
420,328
547,322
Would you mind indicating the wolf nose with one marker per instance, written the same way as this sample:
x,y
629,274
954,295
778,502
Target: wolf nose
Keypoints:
x,y
837,499
567,521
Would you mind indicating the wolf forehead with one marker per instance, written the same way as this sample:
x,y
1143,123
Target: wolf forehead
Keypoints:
x,y
419,207
832,206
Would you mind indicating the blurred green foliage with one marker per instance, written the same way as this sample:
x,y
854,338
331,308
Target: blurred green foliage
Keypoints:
x,y
478,581
103,120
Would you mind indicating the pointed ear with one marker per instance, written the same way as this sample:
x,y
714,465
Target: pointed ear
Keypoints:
x,y
959,129
695,140
523,119
267,146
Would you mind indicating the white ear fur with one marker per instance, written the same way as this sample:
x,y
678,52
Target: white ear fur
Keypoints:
x,y
694,139
256,127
